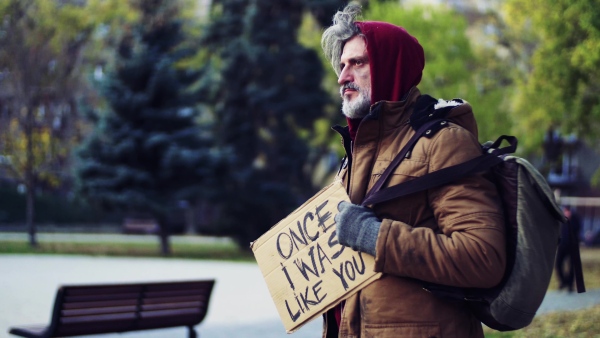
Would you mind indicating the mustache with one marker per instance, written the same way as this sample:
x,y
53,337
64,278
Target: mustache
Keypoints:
x,y
349,85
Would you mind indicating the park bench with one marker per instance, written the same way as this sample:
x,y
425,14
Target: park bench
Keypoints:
x,y
115,308
142,226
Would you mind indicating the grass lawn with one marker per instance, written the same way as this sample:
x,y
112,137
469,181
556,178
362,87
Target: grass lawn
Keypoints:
x,y
580,324
218,251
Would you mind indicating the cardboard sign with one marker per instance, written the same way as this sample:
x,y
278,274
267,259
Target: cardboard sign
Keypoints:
x,y
306,270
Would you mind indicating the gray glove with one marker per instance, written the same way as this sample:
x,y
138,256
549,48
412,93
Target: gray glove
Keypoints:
x,y
357,227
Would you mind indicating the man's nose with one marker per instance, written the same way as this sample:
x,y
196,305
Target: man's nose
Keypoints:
x,y
345,76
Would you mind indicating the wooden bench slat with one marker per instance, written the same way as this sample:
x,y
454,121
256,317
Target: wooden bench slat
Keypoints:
x,y
158,306
99,318
182,286
100,297
131,308
98,304
173,299
98,310
168,313
101,289
173,293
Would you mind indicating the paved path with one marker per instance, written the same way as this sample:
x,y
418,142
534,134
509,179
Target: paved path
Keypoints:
x,y
564,301
240,305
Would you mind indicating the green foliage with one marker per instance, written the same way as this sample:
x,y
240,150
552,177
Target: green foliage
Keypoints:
x,y
225,251
560,88
595,181
148,150
559,324
266,100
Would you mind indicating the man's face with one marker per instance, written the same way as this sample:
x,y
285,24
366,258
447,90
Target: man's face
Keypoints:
x,y
355,78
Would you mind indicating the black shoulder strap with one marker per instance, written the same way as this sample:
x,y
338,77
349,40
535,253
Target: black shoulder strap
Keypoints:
x,y
491,157
434,179
442,176
425,129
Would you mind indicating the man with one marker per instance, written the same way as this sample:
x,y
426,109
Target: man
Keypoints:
x,y
563,254
451,235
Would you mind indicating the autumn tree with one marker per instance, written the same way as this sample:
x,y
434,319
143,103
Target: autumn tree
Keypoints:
x,y
43,47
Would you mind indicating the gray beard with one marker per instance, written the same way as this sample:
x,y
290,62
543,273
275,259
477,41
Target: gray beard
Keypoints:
x,y
358,108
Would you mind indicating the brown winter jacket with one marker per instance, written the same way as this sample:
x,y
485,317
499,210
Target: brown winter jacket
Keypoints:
x,y
450,235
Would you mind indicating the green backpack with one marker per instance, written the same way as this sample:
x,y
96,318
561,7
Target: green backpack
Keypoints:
x,y
532,218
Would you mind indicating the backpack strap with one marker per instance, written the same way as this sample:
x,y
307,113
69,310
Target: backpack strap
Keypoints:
x,y
442,176
493,155
427,129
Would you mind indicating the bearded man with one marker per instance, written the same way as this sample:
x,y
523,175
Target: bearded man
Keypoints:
x,y
451,235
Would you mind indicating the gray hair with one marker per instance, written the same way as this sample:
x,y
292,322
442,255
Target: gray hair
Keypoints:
x,y
336,35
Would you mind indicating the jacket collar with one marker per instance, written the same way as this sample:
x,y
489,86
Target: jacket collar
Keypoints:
x,y
394,113
388,114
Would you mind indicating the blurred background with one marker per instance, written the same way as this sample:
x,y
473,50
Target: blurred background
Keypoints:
x,y
200,117
187,128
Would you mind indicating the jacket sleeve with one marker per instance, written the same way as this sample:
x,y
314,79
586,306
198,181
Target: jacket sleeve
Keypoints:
x,y
468,249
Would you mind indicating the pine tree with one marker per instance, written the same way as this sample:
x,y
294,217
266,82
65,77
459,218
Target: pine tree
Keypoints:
x,y
268,98
148,150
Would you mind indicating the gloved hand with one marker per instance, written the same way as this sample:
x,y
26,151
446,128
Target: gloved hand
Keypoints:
x,y
357,227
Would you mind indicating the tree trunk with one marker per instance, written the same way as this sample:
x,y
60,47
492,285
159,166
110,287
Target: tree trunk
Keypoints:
x,y
165,245
31,228
29,178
